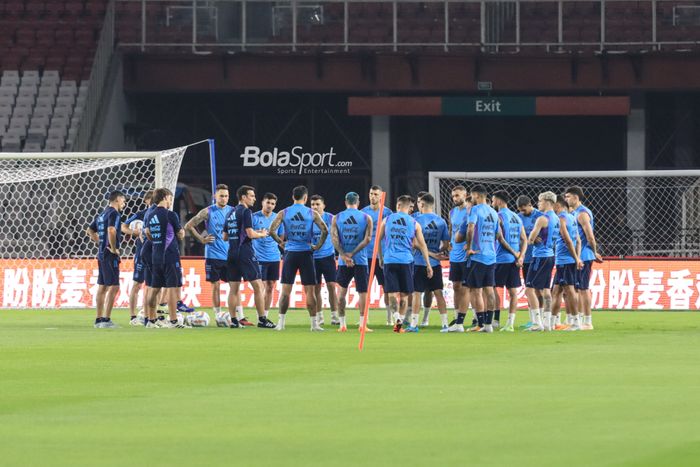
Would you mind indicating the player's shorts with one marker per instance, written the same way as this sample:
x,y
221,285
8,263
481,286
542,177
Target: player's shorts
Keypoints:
x,y
325,267
302,261
108,268
508,276
242,265
378,273
480,275
526,267
270,270
566,274
584,276
139,270
539,276
215,270
421,283
398,278
359,273
147,273
166,275
458,271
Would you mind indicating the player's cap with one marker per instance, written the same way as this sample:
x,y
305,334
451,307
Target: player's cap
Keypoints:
x,y
352,198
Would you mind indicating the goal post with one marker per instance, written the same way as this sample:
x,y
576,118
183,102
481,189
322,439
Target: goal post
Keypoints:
x,y
651,213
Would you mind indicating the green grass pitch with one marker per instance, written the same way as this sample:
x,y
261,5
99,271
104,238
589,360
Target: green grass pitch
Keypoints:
x,y
626,394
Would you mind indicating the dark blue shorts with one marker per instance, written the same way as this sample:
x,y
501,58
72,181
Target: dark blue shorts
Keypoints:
x,y
215,270
242,265
421,283
508,276
139,270
378,272
398,278
270,270
458,271
584,276
526,268
480,275
108,268
325,267
166,275
539,276
566,274
147,273
301,261
359,273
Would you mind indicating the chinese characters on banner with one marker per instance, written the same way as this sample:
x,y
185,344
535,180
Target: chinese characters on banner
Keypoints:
x,y
615,285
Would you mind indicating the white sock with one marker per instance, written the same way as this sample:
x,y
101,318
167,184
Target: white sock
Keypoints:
x,y
443,319
568,319
532,314
239,312
396,316
389,314
576,321
342,322
334,313
414,320
313,321
547,318
426,313
536,318
280,320
555,321
511,319
588,319
266,313
217,309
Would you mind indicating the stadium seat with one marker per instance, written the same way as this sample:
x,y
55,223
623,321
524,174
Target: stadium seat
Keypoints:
x,y
50,76
32,146
11,143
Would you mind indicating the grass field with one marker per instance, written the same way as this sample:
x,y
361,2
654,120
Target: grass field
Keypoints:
x,y
626,394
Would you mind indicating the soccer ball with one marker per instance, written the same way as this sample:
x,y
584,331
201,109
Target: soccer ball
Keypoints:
x,y
198,319
136,225
223,319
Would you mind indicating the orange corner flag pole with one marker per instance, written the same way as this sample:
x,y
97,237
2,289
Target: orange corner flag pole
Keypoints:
x,y
375,253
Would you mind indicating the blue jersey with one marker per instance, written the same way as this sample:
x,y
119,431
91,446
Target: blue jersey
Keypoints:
x,y
586,250
240,219
485,221
266,248
562,254
108,218
146,249
298,221
163,225
457,217
548,237
352,225
216,218
139,216
374,214
529,224
397,245
435,232
327,248
511,226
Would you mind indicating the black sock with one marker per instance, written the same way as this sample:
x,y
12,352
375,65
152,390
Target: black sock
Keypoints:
x,y
173,321
98,320
460,318
489,317
152,321
133,316
480,317
234,320
162,318
497,315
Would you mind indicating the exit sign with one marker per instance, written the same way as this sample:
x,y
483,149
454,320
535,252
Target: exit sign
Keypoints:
x,y
489,106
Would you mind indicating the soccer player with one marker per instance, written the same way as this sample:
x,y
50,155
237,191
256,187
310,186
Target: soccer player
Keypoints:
x,y
139,268
568,262
398,236
427,295
298,252
481,233
458,255
351,232
510,253
266,249
528,215
543,237
105,230
162,228
589,252
324,261
215,248
437,240
241,262
375,197
151,315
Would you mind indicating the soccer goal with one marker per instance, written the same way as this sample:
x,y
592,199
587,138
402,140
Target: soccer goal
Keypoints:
x,y
637,213
46,203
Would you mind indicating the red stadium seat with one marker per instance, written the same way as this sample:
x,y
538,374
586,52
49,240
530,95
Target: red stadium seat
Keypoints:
x,y
74,8
55,8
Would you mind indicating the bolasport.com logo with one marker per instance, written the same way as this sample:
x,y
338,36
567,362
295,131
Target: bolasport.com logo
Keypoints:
x,y
296,161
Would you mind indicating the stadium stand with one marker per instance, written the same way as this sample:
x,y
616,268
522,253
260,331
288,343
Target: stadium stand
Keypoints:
x,y
46,54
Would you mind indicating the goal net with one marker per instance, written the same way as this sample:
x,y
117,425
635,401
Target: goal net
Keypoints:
x,y
47,201
637,213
